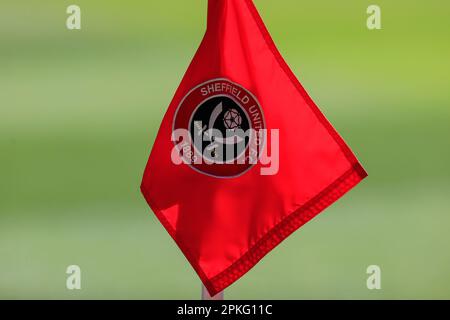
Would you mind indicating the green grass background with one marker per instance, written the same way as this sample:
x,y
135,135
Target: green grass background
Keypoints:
x,y
79,111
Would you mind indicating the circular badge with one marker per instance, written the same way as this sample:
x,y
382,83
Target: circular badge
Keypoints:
x,y
224,129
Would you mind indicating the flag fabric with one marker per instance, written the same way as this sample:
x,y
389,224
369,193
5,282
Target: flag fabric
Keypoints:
x,y
243,156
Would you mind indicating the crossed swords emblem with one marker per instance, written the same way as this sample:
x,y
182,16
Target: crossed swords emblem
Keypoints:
x,y
215,141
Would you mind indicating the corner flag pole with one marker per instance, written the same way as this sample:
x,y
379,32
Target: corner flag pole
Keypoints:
x,y
206,296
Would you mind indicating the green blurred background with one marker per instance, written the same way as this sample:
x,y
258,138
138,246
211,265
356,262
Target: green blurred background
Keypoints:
x,y
79,111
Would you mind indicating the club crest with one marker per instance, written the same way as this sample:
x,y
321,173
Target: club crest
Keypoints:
x,y
224,129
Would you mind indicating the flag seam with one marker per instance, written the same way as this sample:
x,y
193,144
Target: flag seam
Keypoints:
x,y
287,226
269,240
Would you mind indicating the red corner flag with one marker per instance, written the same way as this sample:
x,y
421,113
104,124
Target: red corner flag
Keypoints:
x,y
243,156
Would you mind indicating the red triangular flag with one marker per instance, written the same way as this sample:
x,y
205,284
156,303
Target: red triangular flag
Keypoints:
x,y
243,156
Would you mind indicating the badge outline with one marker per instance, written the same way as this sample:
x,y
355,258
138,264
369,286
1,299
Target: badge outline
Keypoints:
x,y
262,146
